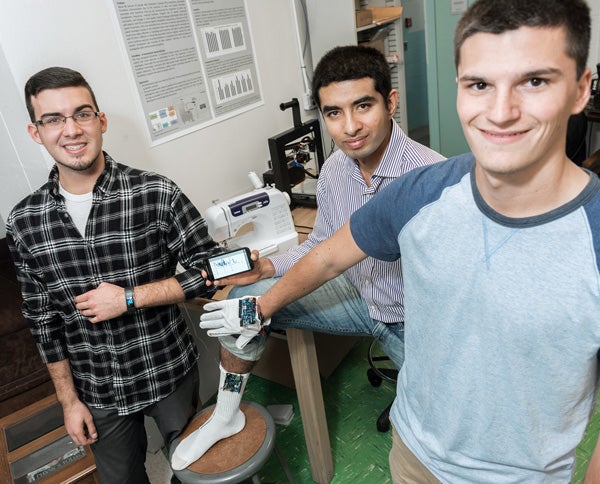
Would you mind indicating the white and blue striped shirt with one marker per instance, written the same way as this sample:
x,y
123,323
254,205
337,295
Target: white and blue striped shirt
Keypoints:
x,y
341,190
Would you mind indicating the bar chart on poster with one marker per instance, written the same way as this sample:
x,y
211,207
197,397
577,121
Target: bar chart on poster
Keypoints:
x,y
233,86
224,40
192,62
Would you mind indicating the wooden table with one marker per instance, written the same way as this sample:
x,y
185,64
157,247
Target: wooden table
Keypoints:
x,y
303,356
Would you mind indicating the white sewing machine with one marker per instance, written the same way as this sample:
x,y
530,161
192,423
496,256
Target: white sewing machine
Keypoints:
x,y
260,220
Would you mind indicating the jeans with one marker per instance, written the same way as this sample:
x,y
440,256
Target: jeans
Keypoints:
x,y
335,308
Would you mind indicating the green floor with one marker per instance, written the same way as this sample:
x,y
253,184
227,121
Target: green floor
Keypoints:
x,y
360,452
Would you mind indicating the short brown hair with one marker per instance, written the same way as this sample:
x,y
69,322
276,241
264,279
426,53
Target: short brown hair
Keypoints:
x,y
498,16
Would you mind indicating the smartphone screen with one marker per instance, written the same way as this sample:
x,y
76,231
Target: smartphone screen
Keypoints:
x,y
229,263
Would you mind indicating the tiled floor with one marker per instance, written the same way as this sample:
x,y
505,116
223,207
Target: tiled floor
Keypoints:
x,y
158,468
586,447
352,406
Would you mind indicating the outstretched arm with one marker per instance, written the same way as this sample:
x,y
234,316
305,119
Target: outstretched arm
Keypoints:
x,y
247,316
326,261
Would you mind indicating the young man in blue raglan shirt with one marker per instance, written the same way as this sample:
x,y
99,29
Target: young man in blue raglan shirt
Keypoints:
x,y
500,251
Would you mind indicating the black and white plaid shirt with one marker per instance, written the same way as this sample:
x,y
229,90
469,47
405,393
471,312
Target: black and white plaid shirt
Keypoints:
x,y
140,226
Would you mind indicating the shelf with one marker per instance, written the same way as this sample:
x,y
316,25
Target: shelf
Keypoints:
x,y
381,16
379,23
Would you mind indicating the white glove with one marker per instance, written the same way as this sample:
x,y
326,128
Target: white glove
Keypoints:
x,y
234,316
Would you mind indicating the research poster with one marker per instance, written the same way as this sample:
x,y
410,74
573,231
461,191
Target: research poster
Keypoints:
x,y
192,62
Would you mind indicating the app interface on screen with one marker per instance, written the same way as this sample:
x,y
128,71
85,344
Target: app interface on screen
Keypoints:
x,y
229,264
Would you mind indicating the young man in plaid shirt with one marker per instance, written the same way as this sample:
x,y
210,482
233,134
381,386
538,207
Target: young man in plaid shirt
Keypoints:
x,y
95,250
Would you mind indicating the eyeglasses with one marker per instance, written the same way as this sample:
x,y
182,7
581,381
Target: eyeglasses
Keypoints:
x,y
56,121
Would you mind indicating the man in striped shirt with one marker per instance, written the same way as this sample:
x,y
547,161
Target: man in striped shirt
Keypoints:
x,y
95,251
353,89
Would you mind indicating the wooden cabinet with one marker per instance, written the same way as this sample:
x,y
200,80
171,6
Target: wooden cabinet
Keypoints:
x,y
35,447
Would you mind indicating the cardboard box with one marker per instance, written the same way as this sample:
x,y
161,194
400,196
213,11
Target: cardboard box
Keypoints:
x,y
382,15
363,17
275,364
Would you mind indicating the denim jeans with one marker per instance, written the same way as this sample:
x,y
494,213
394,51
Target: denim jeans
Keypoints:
x,y
335,308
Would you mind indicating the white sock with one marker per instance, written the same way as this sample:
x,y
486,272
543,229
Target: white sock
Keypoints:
x,y
226,420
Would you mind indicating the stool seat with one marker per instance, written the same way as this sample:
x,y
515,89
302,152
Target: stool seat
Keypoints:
x,y
235,458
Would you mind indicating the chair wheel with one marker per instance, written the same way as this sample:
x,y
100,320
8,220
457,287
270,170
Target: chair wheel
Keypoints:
x,y
373,377
391,374
383,422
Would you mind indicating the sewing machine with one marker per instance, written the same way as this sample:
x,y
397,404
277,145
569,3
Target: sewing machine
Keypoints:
x,y
260,220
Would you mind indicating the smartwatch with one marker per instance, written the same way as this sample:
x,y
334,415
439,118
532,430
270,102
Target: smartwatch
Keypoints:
x,y
129,301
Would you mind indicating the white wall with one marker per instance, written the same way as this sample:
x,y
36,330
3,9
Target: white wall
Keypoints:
x,y
208,164
22,168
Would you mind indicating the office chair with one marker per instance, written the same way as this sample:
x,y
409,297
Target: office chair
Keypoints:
x,y
381,368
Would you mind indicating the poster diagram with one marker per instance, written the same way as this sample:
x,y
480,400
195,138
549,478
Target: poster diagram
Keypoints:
x,y
192,61
163,119
233,86
190,110
223,40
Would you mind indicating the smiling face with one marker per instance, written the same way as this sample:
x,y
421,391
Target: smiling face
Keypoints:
x,y
516,91
358,118
74,147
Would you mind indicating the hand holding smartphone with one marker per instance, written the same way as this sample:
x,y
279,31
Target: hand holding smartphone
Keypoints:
x,y
229,263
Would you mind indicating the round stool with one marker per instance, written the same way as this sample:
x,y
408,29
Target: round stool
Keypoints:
x,y
235,458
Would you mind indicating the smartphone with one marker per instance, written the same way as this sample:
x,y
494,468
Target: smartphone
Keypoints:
x,y
229,263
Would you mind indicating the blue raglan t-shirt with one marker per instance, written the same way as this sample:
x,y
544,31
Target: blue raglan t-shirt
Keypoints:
x,y
501,325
